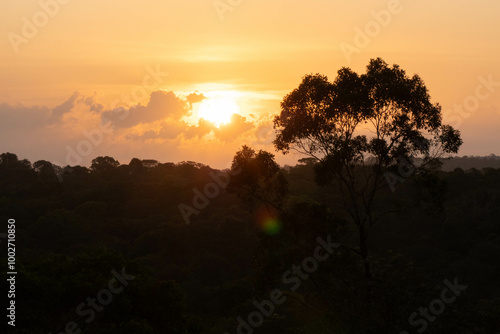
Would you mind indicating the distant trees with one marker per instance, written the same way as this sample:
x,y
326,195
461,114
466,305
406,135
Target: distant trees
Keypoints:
x,y
360,127
257,179
14,172
103,165
46,170
10,160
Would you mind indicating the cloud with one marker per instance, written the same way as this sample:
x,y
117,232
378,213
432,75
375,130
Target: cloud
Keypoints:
x,y
161,105
264,134
163,115
203,127
29,118
171,129
22,117
164,124
94,106
148,135
195,97
59,111
234,129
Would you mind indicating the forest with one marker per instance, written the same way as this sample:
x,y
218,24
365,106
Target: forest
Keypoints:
x,y
74,228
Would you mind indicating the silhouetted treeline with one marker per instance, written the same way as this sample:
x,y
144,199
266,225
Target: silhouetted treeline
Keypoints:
x,y
469,162
76,225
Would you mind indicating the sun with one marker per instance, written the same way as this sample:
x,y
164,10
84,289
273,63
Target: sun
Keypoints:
x,y
218,110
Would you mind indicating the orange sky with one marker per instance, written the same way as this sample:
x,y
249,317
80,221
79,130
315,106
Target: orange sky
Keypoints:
x,y
65,65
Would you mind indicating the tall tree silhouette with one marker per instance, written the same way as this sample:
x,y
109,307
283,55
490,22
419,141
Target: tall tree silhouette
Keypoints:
x,y
328,121
257,179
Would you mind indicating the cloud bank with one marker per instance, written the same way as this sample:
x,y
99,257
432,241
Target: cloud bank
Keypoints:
x,y
81,128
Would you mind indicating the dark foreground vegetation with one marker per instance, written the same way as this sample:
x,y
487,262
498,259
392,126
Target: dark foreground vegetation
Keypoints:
x,y
73,229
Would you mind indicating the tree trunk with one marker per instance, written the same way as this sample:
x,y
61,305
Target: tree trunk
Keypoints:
x,y
363,245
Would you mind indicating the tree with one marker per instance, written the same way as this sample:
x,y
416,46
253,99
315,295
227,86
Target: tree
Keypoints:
x,y
257,179
46,170
329,121
104,165
14,172
10,161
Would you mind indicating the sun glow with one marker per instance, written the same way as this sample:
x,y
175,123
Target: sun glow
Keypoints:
x,y
218,109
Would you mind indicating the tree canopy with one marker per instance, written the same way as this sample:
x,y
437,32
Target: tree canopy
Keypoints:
x,y
329,120
360,128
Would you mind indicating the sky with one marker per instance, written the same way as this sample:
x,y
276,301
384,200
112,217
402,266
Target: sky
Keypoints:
x,y
194,80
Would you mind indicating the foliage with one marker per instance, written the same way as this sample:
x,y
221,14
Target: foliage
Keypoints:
x,y
328,121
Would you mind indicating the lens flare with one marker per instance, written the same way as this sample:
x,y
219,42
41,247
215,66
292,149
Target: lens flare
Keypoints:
x,y
268,222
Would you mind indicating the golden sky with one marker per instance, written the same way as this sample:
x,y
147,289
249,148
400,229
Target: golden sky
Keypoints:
x,y
153,68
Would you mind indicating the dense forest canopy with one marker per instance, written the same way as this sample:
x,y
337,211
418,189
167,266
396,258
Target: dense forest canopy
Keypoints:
x,y
202,277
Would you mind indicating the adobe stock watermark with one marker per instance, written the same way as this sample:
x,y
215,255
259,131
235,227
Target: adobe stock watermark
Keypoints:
x,y
95,137
31,26
224,6
201,199
436,307
103,298
372,29
484,90
293,279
